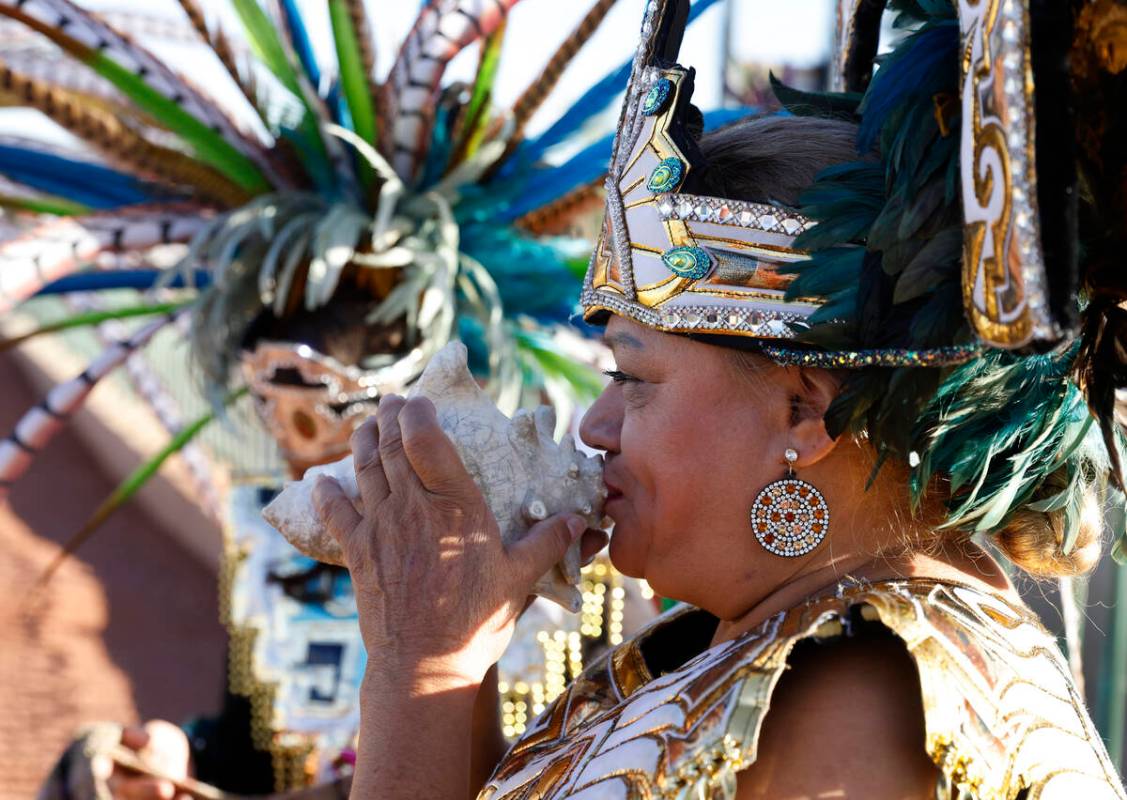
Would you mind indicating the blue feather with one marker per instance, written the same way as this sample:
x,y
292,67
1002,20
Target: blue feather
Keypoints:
x,y
90,184
302,44
438,154
121,279
592,102
911,68
544,185
532,275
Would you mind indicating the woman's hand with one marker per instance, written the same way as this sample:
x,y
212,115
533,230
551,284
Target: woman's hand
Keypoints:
x,y
164,748
437,590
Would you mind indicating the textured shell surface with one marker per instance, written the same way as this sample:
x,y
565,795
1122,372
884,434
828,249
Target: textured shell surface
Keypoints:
x,y
524,475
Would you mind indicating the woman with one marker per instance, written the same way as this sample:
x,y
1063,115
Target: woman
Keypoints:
x,y
799,449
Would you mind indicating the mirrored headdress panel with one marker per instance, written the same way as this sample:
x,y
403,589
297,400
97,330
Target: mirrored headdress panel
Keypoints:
x,y
669,257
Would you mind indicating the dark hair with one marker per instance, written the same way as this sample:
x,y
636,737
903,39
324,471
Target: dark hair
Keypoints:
x,y
773,159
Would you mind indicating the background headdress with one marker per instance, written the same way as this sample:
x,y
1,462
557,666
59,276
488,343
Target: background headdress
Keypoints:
x,y
962,268
414,190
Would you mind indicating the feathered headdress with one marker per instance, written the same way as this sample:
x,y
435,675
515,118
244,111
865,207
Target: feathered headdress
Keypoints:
x,y
418,192
988,221
961,269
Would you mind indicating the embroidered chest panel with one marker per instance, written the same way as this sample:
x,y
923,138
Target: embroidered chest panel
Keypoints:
x,y
1001,711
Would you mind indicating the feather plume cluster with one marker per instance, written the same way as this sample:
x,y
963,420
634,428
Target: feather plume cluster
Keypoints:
x,y
998,431
421,193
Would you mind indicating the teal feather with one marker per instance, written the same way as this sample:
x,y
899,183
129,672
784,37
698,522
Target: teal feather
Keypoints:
x,y
842,105
829,271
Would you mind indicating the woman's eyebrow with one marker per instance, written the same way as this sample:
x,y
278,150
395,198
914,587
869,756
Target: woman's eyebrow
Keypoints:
x,y
617,340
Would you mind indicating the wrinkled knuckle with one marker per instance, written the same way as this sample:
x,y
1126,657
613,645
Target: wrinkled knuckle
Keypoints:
x,y
391,446
370,466
449,506
421,441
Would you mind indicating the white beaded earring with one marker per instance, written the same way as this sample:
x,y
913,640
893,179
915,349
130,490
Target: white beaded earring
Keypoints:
x,y
790,517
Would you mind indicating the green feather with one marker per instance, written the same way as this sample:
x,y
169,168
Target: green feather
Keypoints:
x,y
476,114
132,484
354,81
263,37
92,318
839,105
584,381
45,204
208,145
932,265
828,271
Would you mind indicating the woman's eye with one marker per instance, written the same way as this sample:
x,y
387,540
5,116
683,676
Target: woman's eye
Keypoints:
x,y
619,377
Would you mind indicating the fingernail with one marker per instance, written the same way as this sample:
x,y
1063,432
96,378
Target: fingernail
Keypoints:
x,y
576,525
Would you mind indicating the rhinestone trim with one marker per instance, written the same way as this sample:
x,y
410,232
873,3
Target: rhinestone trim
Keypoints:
x,y
767,324
1027,235
855,359
790,518
753,216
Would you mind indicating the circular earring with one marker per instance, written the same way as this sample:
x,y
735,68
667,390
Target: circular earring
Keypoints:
x,y
790,517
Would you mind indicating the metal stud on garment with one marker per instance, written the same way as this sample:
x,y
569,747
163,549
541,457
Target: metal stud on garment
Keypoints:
x,y
790,517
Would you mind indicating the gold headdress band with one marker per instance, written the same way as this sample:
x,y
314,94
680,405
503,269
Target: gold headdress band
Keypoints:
x,y
670,259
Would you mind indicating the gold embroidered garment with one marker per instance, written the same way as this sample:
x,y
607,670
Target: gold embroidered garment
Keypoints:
x,y
1003,717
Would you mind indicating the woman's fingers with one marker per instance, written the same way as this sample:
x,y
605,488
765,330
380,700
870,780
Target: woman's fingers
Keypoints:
x,y
334,508
134,737
370,476
134,787
429,450
545,544
593,541
400,475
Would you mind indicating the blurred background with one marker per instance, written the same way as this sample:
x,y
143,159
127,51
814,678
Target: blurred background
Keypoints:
x,y
129,628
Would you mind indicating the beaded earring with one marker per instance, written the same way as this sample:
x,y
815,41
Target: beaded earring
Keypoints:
x,y
790,517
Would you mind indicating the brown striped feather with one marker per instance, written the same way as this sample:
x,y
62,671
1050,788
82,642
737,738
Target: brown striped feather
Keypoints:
x,y
533,97
105,131
556,218
128,54
219,43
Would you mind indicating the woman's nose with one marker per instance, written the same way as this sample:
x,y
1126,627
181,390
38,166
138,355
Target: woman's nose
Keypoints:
x,y
602,424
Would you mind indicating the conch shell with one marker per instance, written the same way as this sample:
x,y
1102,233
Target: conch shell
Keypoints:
x,y
523,474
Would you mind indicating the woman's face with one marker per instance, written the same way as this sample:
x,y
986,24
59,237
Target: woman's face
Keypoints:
x,y
689,444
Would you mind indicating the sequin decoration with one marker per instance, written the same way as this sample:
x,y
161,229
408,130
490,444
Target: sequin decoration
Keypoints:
x,y
790,517
688,262
657,97
667,175
856,359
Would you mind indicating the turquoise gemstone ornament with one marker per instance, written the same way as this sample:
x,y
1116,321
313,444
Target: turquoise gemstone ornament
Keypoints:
x,y
667,176
688,262
657,97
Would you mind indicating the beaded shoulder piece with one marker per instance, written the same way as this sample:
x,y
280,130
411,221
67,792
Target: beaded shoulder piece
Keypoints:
x,y
1003,717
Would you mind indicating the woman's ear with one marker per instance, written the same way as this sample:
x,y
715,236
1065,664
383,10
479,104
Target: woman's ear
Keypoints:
x,y
816,389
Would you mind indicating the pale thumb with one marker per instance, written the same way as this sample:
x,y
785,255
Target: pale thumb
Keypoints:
x,y
546,542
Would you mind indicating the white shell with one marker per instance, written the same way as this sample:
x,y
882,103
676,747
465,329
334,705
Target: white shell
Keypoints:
x,y
524,475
